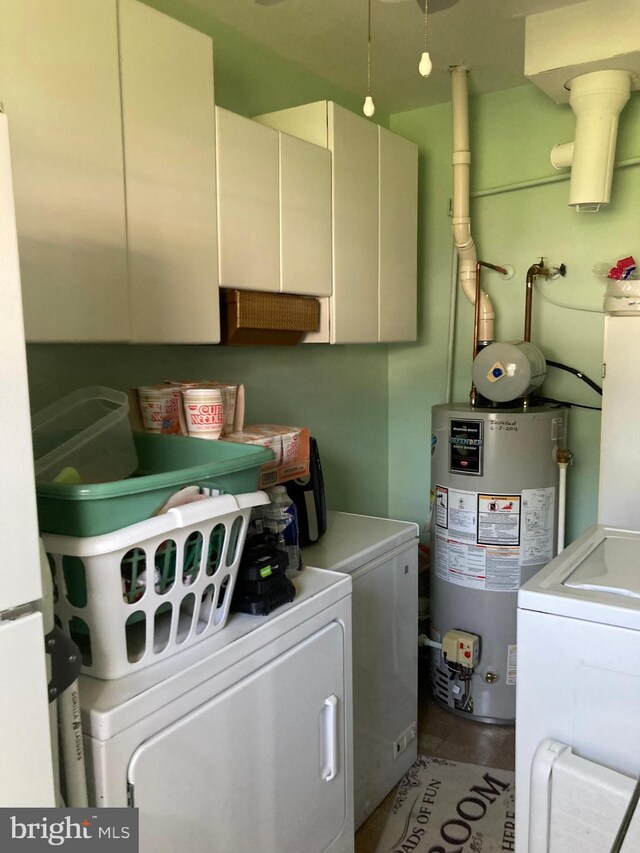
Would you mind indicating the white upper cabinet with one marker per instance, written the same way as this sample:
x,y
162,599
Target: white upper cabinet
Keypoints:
x,y
60,88
374,223
248,203
354,307
305,217
397,237
111,118
274,209
169,157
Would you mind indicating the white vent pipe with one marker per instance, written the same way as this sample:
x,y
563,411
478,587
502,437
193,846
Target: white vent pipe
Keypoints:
x,y
597,99
461,220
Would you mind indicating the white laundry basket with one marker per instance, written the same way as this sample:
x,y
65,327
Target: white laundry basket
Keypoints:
x,y
135,596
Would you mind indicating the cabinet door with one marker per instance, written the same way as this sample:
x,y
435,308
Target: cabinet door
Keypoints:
x,y
354,305
248,203
60,89
305,217
398,238
169,148
258,767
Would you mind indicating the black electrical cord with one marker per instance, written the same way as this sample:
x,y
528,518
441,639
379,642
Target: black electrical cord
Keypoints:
x,y
626,820
568,404
577,373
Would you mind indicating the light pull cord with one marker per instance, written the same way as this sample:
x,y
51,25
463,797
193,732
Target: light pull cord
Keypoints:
x,y
425,64
369,107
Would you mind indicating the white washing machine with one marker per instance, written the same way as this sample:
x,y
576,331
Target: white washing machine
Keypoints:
x,y
242,742
579,662
381,556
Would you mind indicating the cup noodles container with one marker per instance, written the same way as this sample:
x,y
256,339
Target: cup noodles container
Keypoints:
x,y
232,401
203,411
160,408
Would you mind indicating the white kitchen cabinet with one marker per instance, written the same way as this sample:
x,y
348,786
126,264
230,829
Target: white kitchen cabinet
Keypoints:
x,y
305,217
374,223
59,83
274,209
397,237
248,203
116,222
169,157
353,316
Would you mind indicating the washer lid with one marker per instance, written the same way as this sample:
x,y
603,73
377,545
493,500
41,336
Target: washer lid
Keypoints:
x,y
597,578
613,566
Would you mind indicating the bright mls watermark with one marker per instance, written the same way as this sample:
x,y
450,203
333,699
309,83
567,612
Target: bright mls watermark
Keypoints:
x,y
27,830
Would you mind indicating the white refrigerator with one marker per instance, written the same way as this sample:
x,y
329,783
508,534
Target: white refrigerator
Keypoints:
x,y
26,771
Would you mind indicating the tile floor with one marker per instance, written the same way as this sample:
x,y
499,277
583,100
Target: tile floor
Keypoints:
x,y
447,736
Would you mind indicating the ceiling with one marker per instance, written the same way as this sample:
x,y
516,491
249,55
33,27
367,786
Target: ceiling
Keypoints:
x,y
329,39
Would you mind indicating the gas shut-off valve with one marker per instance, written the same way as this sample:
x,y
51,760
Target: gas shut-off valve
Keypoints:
x,y
462,648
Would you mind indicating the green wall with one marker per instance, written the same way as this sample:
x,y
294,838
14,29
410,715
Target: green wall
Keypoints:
x,y
370,406
512,134
340,393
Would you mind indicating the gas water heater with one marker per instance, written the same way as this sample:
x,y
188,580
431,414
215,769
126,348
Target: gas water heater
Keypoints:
x,y
493,526
494,520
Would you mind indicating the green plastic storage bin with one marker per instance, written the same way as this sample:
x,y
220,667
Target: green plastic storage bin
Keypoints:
x,y
167,463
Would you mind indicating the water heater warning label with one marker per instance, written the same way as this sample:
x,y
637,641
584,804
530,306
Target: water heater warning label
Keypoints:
x,y
538,517
498,519
463,515
483,540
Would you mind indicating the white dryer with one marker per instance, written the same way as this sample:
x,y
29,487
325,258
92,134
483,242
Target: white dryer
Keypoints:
x,y
579,662
242,742
381,557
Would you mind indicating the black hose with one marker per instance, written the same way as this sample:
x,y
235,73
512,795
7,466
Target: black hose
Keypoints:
x,y
626,820
577,373
567,403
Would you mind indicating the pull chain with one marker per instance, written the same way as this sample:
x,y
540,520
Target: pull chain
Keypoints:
x,y
369,107
425,65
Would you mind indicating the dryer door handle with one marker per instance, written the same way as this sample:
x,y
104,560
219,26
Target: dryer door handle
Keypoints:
x,y
330,737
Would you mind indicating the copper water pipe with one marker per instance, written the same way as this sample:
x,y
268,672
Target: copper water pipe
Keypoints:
x,y
476,321
532,273
473,394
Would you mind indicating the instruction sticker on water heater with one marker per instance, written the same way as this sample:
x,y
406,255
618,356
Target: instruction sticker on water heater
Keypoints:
x,y
442,506
498,519
484,540
538,516
462,518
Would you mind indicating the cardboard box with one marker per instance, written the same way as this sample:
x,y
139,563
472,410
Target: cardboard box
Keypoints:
x,y
290,447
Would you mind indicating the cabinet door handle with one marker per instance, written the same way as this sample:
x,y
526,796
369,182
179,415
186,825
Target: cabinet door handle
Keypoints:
x,y
330,736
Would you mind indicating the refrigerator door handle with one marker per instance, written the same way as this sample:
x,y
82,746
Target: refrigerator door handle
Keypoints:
x,y
330,737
